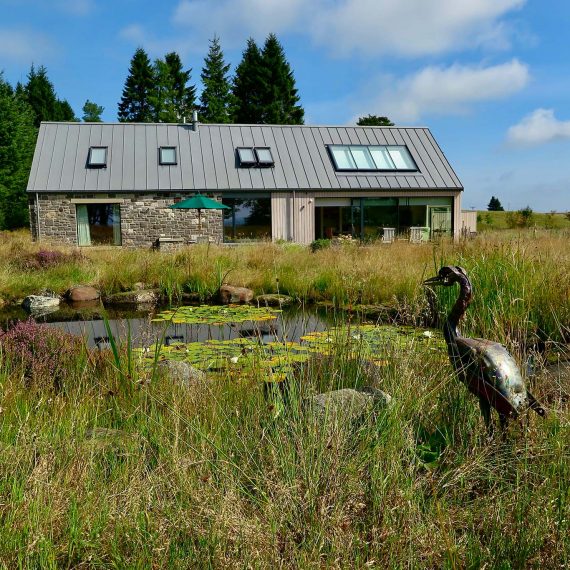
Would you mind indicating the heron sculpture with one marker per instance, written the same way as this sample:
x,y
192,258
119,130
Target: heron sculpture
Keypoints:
x,y
486,367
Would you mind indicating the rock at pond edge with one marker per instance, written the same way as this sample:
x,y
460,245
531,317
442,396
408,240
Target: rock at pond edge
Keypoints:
x,y
34,303
273,300
82,293
181,372
230,295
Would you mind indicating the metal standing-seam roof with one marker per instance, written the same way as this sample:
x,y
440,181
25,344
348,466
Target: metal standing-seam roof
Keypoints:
x,y
206,158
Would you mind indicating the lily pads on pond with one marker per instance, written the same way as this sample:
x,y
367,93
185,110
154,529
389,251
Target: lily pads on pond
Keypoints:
x,y
216,314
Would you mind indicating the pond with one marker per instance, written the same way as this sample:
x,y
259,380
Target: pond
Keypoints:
x,y
242,337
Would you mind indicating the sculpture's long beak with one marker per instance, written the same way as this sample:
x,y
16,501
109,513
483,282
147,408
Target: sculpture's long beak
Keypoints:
x,y
434,281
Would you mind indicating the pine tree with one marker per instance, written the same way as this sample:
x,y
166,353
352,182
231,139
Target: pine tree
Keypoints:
x,y
216,98
135,106
92,112
494,205
40,95
17,141
280,99
246,89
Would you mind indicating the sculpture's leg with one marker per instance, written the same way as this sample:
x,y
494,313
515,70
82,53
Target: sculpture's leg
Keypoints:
x,y
486,413
503,420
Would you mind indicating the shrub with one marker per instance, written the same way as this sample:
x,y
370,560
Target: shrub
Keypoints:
x,y
320,244
43,354
45,258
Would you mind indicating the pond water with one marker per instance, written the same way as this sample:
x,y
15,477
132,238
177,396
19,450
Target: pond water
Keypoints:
x,y
140,325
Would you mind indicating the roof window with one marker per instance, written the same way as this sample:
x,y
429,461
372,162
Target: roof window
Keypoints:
x,y
97,157
167,155
259,156
354,158
264,156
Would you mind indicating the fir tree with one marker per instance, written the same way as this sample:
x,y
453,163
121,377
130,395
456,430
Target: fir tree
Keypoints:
x,y
172,98
40,95
246,89
135,106
17,141
216,98
92,112
494,205
280,99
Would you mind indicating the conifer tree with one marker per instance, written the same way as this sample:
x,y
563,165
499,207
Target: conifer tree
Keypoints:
x,y
40,95
172,98
246,89
494,205
280,99
216,98
17,141
92,112
135,105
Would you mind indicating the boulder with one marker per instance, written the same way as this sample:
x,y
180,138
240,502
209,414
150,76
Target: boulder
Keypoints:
x,y
82,293
273,300
229,294
181,372
348,403
40,303
141,297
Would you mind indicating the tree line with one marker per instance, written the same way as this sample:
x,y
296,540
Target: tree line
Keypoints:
x,y
262,89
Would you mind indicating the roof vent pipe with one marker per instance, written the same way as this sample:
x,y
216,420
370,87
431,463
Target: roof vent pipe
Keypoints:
x,y
194,120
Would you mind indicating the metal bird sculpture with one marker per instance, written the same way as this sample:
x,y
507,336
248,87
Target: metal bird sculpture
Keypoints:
x,y
486,367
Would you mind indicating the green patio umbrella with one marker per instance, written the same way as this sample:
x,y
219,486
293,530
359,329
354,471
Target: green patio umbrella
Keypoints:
x,y
199,202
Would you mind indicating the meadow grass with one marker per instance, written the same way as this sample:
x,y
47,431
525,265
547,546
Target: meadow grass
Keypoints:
x,y
116,470
109,465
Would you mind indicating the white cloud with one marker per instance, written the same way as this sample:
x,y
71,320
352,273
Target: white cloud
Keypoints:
x,y
539,127
445,90
25,46
370,27
236,20
413,27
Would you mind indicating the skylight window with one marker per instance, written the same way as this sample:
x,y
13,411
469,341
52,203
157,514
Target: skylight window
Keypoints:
x,y
246,156
97,156
167,155
371,158
255,156
264,156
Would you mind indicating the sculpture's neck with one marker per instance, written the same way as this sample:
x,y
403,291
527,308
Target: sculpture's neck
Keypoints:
x,y
450,330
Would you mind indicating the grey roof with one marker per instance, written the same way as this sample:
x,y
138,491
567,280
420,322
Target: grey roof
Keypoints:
x,y
207,158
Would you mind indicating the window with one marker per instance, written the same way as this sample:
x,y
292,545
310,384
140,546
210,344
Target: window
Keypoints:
x,y
255,156
264,156
97,156
371,158
167,155
98,224
246,156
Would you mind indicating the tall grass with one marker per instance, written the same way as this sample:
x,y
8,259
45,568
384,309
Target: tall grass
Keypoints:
x,y
156,475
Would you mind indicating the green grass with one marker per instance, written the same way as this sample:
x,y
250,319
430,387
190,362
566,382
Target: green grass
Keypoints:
x,y
153,475
488,221
116,467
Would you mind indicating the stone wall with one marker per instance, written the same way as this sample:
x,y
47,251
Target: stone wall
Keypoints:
x,y
145,218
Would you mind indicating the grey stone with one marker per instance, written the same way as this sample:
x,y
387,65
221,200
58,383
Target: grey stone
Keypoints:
x,y
348,404
34,303
142,297
229,294
273,300
181,372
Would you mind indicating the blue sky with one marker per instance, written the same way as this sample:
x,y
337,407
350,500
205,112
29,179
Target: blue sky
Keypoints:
x,y
491,78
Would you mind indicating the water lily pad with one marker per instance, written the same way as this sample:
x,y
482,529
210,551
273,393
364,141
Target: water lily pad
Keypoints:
x,y
217,314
